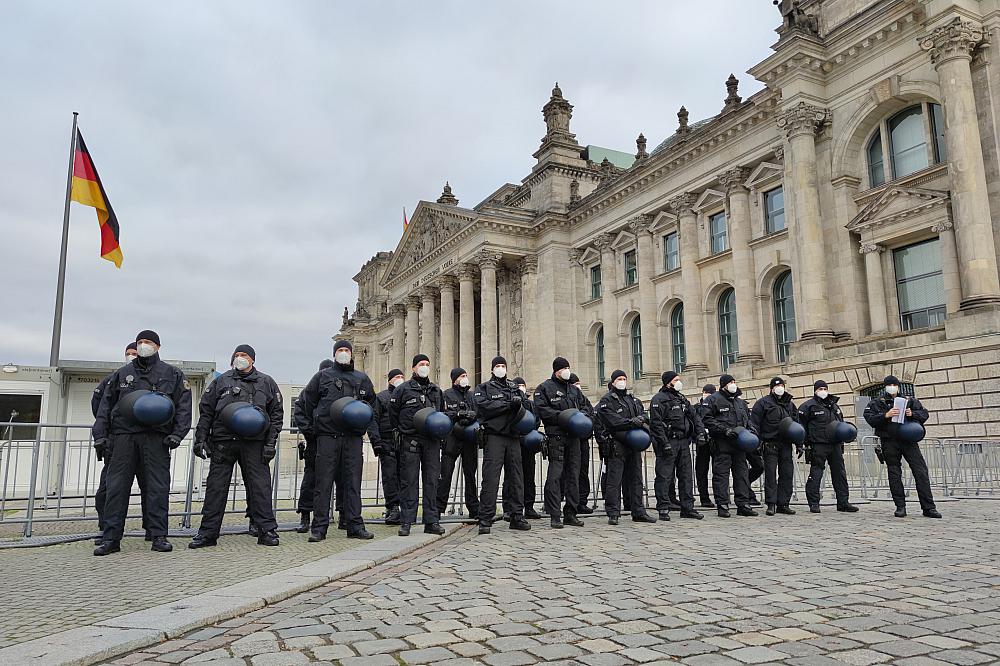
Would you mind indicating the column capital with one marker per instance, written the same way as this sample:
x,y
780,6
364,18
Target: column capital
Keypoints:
x,y
733,180
466,272
574,254
683,204
429,292
639,225
603,242
529,264
412,302
802,119
957,39
869,248
398,310
488,259
447,282
779,153
944,225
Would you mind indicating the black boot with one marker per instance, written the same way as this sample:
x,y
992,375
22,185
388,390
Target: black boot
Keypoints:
x,y
691,513
108,547
202,541
484,529
612,520
392,516
161,545
252,529
571,520
932,513
404,530
303,523
341,522
707,503
433,528
771,510
531,514
556,524
585,510
665,516
362,534
814,508
745,511
785,509
269,538
517,522
723,511
317,535
847,508
643,518
900,512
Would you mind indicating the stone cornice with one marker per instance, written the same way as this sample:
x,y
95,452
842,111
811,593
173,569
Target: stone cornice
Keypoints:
x,y
713,258
769,238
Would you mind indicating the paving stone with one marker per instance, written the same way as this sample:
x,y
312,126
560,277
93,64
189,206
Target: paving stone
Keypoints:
x,y
755,655
426,656
370,660
516,658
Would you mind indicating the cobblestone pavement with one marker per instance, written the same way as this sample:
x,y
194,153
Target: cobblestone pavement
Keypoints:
x,y
51,589
835,588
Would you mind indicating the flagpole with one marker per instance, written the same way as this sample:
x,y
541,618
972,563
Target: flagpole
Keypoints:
x,y
61,284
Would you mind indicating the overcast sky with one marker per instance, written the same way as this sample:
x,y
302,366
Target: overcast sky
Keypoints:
x,y
257,153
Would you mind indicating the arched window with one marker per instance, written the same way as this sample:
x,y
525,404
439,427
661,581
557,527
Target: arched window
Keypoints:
x,y
636,348
876,163
601,375
728,340
908,139
907,142
784,315
677,337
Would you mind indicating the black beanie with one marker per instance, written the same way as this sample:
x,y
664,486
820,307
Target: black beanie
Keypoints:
x,y
325,363
148,335
573,379
725,380
393,373
519,381
342,344
559,363
131,345
708,388
616,374
498,360
777,381
668,377
456,373
819,384
891,380
246,349
418,358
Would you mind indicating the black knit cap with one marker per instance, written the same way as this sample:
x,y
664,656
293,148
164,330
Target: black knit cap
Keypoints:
x,y
132,346
573,379
246,349
456,373
819,384
891,380
395,372
519,381
418,358
148,335
618,373
708,388
559,363
668,377
498,360
725,380
325,363
777,381
342,344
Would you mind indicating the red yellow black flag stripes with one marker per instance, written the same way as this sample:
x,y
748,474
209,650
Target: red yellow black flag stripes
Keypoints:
x,y
88,190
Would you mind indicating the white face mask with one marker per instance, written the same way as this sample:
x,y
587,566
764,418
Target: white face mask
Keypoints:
x,y
564,374
342,356
523,389
892,389
129,357
822,394
396,382
678,386
241,363
423,371
146,349
621,384
463,382
732,387
779,390
499,372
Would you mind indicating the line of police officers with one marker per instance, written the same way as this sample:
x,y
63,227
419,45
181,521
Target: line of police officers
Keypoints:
x,y
241,418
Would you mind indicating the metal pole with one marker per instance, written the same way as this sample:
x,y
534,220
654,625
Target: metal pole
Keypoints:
x,y
60,285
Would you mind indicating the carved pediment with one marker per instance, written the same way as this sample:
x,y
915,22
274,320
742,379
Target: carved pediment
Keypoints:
x,y
767,173
662,222
623,241
896,204
432,226
708,200
590,256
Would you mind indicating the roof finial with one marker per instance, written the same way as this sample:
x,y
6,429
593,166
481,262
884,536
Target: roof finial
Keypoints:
x,y
640,148
447,198
732,98
682,121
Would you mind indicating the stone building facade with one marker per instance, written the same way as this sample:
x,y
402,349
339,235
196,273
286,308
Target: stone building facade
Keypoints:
x,y
838,224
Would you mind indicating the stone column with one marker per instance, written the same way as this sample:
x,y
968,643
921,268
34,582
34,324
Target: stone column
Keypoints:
x,y
398,336
951,47
949,266
744,273
529,328
412,330
800,124
609,306
488,263
694,315
447,352
876,287
467,318
428,330
646,265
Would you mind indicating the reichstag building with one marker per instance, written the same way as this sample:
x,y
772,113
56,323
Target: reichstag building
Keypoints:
x,y
838,224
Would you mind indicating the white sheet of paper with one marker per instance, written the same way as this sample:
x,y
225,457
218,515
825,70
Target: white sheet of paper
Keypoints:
x,y
900,404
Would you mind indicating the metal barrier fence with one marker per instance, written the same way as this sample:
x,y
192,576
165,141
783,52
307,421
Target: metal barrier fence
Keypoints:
x,y
54,476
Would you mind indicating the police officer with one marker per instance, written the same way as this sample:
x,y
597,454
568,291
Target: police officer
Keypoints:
x,y
562,479
214,439
419,454
674,423
619,411
102,487
385,448
815,415
461,409
583,507
338,453
307,454
500,404
527,469
779,466
132,444
725,411
703,450
879,414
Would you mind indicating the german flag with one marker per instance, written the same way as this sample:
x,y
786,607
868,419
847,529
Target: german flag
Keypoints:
x,y
88,190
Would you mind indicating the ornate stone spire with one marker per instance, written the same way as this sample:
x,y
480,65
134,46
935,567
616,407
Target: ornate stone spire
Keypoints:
x,y
447,198
732,98
682,121
640,148
557,113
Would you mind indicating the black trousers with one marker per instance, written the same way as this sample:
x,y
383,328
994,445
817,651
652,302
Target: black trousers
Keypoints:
x,y
502,454
628,477
894,453
832,455
562,478
388,465
673,463
256,475
338,457
131,452
527,480
779,469
702,463
755,459
469,453
101,496
584,491
619,483
307,489
729,458
419,460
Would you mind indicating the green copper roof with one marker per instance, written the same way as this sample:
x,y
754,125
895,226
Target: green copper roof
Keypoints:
x,y
597,154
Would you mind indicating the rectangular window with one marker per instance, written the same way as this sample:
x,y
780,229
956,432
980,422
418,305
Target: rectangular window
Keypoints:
x,y
595,282
937,121
631,271
16,408
774,210
671,252
920,285
720,233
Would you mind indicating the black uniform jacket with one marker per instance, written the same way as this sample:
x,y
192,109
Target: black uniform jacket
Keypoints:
x,y
150,374
233,386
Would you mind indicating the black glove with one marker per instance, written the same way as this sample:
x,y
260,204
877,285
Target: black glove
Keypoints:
x,y
879,454
380,449
799,450
302,450
637,421
172,442
102,449
730,433
202,450
267,455
603,450
702,438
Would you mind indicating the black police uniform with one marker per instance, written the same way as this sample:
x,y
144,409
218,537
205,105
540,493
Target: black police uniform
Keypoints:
x,y
815,415
724,412
618,411
703,457
527,497
779,465
895,451
461,409
419,454
133,445
100,497
562,479
337,452
253,454
585,485
498,405
384,446
674,423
